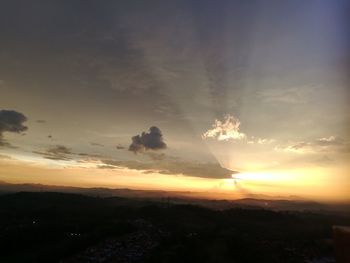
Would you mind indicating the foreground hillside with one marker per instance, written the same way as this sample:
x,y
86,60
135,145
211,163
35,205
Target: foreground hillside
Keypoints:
x,y
61,227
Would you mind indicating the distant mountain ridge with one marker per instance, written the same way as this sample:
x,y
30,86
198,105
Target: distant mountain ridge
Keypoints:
x,y
174,197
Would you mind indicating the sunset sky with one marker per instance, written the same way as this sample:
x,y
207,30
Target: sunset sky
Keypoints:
x,y
227,99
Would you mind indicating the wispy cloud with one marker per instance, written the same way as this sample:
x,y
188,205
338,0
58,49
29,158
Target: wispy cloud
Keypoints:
x,y
261,141
58,152
296,147
96,144
2,156
329,141
324,144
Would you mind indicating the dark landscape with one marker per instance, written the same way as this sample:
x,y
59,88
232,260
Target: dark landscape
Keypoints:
x,y
67,227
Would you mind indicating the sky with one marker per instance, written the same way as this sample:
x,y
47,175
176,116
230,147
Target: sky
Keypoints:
x,y
228,99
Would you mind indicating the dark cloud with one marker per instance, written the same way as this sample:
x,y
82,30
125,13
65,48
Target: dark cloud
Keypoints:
x,y
89,155
153,140
96,144
6,144
58,152
173,166
60,149
11,121
120,147
63,153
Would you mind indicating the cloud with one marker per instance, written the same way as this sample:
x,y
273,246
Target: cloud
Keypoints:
x,y
325,144
58,152
60,149
96,144
228,129
297,147
153,140
173,166
63,153
41,121
11,121
88,155
104,166
4,143
156,156
120,147
331,140
261,141
2,156
265,141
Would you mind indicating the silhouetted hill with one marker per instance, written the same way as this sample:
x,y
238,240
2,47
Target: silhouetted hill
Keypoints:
x,y
181,198
65,227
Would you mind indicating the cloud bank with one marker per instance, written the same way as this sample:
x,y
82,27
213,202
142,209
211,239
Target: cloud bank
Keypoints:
x,y
173,166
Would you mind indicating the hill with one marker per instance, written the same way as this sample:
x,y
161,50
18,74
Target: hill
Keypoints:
x,y
64,227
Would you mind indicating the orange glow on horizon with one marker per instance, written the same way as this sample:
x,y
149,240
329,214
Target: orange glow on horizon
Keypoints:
x,y
284,184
